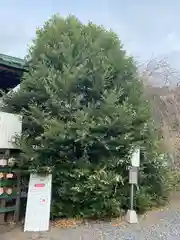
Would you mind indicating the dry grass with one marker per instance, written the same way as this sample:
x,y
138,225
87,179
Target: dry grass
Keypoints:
x,y
165,101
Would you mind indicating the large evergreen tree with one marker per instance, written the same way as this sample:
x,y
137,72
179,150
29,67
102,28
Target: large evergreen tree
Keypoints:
x,y
83,110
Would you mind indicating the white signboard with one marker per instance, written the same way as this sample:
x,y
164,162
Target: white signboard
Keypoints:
x,y
38,203
133,175
10,126
135,158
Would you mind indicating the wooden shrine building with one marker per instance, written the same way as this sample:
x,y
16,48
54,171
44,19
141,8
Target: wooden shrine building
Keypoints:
x,y
11,71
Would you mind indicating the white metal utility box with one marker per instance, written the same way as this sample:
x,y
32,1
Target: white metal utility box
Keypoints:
x,y
10,126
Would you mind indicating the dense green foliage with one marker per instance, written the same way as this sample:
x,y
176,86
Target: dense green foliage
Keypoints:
x,y
84,110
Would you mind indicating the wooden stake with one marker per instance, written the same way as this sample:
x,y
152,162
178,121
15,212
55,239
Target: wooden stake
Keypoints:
x,y
18,199
2,215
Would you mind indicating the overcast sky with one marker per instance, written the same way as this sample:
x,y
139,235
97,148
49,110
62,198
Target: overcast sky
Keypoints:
x,y
148,28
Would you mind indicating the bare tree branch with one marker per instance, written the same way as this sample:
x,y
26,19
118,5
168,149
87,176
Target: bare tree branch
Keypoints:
x,y
161,85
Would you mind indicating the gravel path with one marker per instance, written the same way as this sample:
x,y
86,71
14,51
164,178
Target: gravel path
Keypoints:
x,y
160,224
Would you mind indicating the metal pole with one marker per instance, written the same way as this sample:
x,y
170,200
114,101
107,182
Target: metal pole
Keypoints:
x,y
132,197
